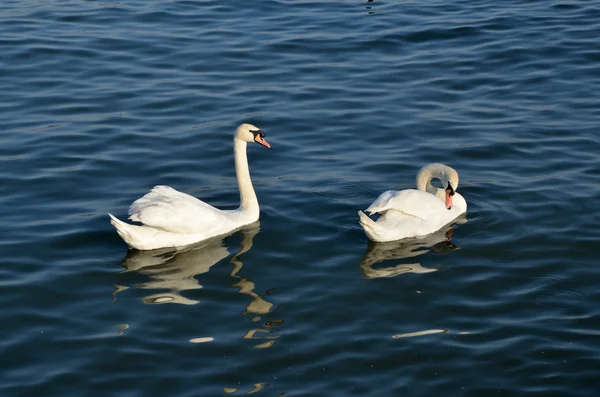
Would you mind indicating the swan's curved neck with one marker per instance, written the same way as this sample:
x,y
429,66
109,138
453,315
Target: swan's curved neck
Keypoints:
x,y
248,200
424,177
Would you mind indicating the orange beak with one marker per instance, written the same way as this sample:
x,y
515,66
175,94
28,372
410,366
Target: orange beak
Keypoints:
x,y
449,199
262,141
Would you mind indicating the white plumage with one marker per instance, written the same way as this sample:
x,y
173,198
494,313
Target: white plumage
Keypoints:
x,y
171,218
412,213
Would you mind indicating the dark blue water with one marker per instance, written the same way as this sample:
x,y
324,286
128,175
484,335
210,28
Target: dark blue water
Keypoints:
x,y
100,101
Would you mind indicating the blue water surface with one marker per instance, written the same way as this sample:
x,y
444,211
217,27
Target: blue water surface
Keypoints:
x,y
101,100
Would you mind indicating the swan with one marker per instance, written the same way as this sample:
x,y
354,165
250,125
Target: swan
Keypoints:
x,y
416,212
173,219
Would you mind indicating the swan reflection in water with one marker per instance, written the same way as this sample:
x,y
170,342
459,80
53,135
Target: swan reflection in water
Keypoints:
x,y
439,242
175,270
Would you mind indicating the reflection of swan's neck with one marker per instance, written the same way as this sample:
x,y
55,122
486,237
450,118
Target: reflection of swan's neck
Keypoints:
x,y
248,200
258,305
246,243
429,172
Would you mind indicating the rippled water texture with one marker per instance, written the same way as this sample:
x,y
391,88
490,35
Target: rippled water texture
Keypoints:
x,y
100,101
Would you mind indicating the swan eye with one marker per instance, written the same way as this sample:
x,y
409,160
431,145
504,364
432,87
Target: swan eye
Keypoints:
x,y
259,133
451,189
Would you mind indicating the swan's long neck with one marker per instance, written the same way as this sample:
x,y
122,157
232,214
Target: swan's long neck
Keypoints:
x,y
424,177
248,200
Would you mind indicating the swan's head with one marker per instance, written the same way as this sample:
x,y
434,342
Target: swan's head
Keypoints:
x,y
451,184
250,133
447,175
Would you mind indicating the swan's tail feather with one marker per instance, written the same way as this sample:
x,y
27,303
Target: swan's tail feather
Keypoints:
x,y
148,238
122,228
135,236
364,219
369,225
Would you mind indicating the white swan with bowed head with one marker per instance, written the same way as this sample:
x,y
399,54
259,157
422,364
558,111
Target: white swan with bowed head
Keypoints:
x,y
172,219
413,213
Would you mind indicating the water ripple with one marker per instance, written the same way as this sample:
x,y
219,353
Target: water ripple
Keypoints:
x,y
103,100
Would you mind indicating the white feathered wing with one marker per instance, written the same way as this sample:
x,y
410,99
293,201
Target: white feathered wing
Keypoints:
x,y
407,213
171,218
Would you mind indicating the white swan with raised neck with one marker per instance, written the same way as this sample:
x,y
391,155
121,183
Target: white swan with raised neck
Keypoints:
x,y
412,213
172,219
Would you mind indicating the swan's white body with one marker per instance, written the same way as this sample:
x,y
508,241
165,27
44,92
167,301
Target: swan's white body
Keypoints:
x,y
172,219
413,213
